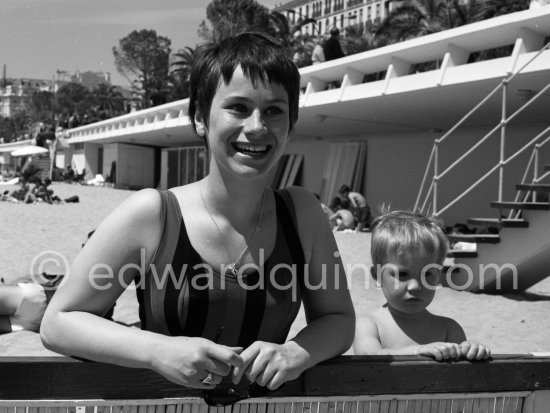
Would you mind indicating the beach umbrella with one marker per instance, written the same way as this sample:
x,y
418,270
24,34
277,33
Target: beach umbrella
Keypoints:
x,y
29,151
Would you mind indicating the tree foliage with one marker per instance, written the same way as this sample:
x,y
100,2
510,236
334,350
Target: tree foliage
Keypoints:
x,y
41,106
180,73
73,98
415,18
108,101
493,8
143,58
248,14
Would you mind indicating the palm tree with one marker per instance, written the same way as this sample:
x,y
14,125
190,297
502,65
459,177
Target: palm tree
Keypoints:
x,y
109,100
279,27
299,45
180,73
414,18
359,38
493,8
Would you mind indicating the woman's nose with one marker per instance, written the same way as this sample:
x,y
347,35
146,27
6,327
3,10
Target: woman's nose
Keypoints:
x,y
254,124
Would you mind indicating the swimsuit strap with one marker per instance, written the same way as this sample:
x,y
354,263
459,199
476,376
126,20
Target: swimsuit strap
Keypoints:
x,y
286,213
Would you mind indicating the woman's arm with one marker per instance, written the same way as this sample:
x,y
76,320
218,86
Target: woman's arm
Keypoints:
x,y
329,310
72,323
107,264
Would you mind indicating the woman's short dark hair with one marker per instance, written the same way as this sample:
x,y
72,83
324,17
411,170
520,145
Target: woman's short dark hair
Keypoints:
x,y
261,59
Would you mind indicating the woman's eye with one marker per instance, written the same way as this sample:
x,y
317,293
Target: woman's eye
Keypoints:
x,y
274,110
238,108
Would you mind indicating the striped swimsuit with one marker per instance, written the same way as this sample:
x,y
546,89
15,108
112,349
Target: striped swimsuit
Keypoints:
x,y
195,301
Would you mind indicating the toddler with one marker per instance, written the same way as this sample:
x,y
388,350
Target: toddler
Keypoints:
x,y
407,252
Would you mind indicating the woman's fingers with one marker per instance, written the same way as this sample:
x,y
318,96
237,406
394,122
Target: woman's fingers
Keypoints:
x,y
265,375
257,368
248,356
226,355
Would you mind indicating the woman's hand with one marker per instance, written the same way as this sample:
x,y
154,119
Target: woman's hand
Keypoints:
x,y
189,360
440,351
271,365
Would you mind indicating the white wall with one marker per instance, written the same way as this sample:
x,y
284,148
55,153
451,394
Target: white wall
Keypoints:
x,y
78,161
91,153
395,167
135,166
396,164
315,154
110,155
5,159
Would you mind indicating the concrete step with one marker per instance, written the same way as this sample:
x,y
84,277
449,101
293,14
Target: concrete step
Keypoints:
x,y
517,247
478,238
499,223
461,254
533,187
520,205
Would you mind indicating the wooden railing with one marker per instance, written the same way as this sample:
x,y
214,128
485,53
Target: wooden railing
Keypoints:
x,y
349,384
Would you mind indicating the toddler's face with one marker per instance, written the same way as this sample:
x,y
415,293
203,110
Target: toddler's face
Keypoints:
x,y
409,282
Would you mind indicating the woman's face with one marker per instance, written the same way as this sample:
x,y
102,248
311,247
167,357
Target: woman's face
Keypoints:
x,y
248,126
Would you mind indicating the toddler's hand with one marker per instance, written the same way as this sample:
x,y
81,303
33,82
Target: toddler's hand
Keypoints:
x,y
474,351
440,351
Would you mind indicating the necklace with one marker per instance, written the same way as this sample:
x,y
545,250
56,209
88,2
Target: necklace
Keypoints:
x,y
234,267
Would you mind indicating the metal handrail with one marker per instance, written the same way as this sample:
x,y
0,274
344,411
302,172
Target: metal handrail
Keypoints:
x,y
427,196
424,179
470,113
533,161
502,126
494,168
524,178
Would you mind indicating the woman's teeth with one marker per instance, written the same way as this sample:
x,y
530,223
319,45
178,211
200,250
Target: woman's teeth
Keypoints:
x,y
250,149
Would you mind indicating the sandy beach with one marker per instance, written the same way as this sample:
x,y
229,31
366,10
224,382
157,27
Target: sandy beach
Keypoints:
x,y
46,233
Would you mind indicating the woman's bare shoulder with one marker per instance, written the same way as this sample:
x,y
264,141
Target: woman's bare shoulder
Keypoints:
x,y
136,220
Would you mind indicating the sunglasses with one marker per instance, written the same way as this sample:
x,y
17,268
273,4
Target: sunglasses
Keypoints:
x,y
227,395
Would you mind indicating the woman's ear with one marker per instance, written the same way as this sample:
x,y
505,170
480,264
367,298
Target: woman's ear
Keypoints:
x,y
200,123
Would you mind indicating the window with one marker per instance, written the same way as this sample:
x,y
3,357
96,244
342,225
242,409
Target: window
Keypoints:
x,y
186,165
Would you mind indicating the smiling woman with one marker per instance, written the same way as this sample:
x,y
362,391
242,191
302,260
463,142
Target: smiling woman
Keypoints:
x,y
221,265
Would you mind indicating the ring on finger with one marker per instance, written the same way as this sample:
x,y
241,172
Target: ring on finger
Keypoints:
x,y
207,380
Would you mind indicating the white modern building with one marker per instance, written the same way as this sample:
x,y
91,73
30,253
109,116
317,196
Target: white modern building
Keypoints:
x,y
334,13
387,111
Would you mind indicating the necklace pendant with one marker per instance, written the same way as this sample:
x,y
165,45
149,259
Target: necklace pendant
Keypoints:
x,y
233,270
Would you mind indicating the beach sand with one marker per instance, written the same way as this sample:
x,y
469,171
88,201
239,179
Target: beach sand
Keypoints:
x,y
507,323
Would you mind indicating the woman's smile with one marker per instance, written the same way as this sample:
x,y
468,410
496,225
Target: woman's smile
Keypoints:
x,y
251,150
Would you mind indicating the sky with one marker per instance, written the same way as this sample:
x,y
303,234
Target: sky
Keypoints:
x,y
37,37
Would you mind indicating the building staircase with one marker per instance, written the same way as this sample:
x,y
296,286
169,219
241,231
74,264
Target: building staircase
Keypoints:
x,y
514,258
511,251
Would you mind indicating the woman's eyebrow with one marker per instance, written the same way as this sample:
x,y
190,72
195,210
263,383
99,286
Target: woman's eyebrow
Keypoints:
x,y
239,98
